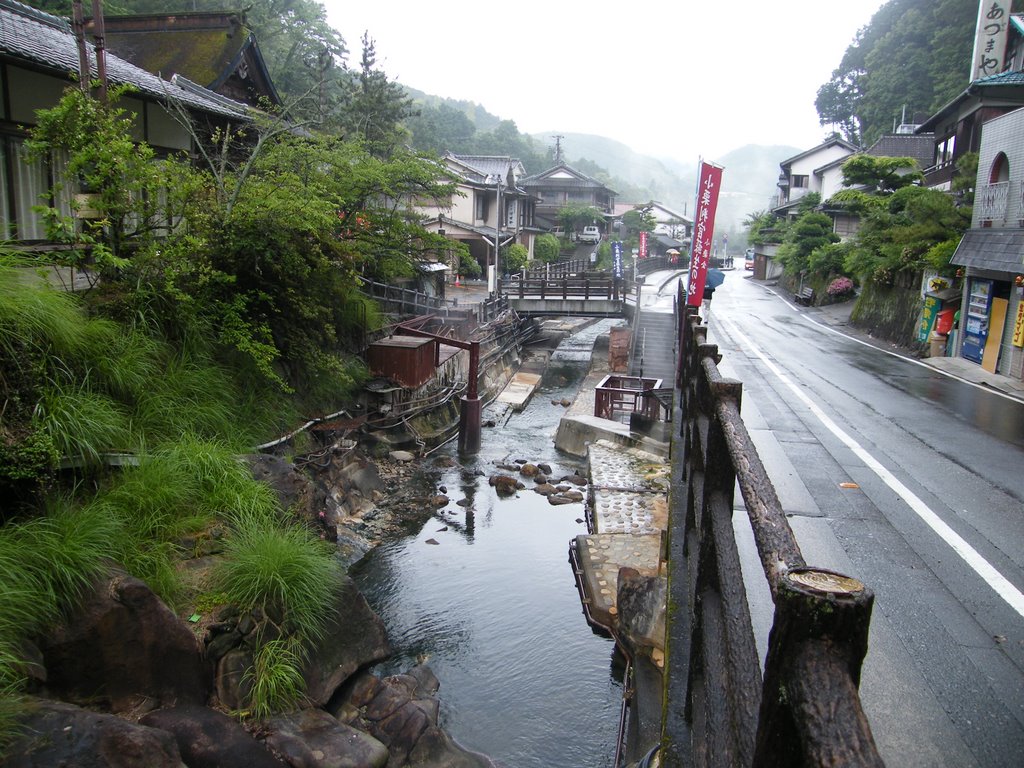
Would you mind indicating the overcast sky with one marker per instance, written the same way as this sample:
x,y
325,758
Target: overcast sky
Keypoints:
x,y
684,79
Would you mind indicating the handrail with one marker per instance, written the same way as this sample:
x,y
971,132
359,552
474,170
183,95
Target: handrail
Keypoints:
x,y
719,711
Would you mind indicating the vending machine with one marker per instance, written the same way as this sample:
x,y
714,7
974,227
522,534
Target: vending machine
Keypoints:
x,y
975,321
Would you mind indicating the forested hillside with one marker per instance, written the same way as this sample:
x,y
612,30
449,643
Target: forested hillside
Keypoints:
x,y
913,57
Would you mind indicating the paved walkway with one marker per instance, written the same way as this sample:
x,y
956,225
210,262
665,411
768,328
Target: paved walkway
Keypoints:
x,y
838,316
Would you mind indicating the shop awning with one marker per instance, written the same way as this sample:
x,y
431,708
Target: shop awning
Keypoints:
x,y
997,250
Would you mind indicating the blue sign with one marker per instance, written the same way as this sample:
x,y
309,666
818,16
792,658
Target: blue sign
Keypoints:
x,y
617,258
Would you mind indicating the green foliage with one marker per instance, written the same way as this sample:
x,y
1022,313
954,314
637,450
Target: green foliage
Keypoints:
x,y
134,196
283,569
468,266
910,57
546,248
828,260
808,233
375,106
966,177
575,217
275,678
909,233
514,257
763,227
880,175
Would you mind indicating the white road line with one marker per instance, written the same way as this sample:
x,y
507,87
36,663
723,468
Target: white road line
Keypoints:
x,y
1002,586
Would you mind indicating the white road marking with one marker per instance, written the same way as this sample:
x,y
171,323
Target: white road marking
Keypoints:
x,y
1002,586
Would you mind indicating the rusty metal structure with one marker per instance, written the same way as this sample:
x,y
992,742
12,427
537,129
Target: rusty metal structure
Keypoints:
x,y
617,396
719,710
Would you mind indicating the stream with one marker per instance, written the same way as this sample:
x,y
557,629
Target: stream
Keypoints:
x,y
485,596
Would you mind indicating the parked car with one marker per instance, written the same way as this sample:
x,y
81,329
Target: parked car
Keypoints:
x,y
590,234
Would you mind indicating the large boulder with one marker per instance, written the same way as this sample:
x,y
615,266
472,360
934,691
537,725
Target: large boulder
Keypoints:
x,y
210,739
122,646
402,712
59,734
312,738
354,638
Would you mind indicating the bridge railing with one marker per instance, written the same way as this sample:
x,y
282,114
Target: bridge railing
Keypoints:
x,y
586,287
719,710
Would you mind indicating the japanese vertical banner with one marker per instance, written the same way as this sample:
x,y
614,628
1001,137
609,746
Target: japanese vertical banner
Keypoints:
x,y
643,245
703,231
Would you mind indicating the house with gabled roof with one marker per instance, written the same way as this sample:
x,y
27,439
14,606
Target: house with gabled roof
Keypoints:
x,y
814,170
39,59
563,186
490,207
214,49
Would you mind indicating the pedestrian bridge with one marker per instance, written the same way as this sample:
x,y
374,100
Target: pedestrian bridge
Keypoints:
x,y
593,294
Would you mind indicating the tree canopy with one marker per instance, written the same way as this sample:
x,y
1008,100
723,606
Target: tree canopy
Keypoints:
x,y
910,59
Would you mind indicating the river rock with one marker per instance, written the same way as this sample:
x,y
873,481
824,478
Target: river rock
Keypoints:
x,y
545,468
528,470
292,487
575,479
354,638
135,646
207,738
60,734
402,457
505,485
440,500
312,738
558,499
545,489
401,711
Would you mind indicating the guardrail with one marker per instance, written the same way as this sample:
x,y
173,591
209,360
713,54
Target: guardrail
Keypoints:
x,y
719,710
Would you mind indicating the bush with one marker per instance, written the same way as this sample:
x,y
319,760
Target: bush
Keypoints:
x,y
840,288
546,248
283,569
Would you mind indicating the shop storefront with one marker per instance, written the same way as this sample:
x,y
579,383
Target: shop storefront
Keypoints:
x,y
992,318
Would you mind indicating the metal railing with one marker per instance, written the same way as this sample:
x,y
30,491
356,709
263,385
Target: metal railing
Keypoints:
x,y
719,710
1000,204
617,396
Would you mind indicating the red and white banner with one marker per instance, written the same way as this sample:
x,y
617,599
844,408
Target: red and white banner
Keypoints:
x,y
643,245
703,231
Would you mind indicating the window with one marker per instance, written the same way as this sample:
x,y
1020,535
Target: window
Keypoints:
x,y
480,206
24,185
799,180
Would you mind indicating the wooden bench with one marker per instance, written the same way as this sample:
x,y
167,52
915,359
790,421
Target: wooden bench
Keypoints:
x,y
805,296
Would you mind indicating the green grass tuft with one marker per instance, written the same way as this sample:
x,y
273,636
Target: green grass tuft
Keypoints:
x,y
285,570
276,679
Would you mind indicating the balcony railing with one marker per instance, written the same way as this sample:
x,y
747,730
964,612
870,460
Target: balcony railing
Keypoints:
x,y
1000,204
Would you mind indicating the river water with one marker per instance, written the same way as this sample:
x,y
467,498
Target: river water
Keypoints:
x,y
492,606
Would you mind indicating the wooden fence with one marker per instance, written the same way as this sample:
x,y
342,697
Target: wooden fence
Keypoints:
x,y
719,710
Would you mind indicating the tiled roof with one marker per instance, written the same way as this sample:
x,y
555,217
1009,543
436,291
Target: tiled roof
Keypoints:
x,y
1003,78
994,249
920,146
46,41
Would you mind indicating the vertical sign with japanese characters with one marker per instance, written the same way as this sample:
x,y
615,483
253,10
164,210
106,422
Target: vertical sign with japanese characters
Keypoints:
x,y
703,231
617,259
990,38
643,245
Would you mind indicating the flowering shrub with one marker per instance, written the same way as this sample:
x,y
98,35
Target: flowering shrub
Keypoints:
x,y
841,286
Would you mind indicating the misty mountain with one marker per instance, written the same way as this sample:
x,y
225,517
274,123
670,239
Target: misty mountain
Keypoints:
x,y
748,181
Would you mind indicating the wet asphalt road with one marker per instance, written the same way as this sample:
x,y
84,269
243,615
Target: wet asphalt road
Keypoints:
x,y
934,524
